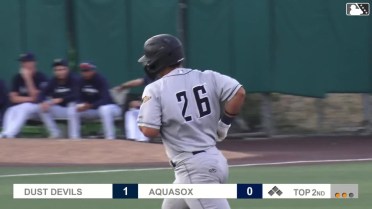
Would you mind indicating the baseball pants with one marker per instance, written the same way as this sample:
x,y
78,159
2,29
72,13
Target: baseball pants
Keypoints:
x,y
131,127
209,167
107,114
48,118
16,116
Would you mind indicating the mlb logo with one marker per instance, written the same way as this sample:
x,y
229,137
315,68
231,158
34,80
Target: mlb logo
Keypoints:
x,y
357,9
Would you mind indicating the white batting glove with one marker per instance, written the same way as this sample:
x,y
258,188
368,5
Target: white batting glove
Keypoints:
x,y
222,130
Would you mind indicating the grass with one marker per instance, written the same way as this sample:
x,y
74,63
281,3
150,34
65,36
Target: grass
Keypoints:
x,y
358,173
88,129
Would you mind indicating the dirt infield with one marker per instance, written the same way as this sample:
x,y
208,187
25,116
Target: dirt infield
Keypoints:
x,y
31,152
302,149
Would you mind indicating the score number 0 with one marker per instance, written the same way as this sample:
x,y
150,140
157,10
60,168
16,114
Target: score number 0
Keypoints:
x,y
249,191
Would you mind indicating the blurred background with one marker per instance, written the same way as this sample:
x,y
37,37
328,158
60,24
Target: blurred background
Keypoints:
x,y
306,64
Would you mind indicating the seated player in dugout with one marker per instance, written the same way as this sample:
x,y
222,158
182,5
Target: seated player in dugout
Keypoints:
x,y
25,88
93,101
3,100
133,104
132,131
54,99
184,107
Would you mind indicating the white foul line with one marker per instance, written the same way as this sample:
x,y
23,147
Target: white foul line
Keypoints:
x,y
83,172
303,162
168,168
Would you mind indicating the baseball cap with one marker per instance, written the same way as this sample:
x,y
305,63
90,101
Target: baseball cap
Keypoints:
x,y
87,66
59,62
27,57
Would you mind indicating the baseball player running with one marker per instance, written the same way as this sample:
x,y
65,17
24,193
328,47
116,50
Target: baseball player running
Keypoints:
x,y
60,92
184,107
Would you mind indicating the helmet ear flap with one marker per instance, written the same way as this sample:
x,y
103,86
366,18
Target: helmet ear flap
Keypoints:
x,y
151,70
151,67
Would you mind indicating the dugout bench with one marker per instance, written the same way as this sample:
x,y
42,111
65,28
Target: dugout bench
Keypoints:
x,y
90,128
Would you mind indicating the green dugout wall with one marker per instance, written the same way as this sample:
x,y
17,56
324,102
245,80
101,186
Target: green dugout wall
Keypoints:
x,y
10,37
112,32
37,26
296,47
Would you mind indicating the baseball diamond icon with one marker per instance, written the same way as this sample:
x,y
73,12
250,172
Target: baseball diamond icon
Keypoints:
x,y
275,190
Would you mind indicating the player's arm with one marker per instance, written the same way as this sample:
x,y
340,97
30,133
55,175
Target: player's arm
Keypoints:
x,y
45,92
74,95
232,94
3,93
132,83
231,110
149,118
30,84
234,105
149,132
44,104
104,94
14,96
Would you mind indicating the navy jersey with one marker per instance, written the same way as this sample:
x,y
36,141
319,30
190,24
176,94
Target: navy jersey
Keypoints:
x,y
95,91
3,95
64,89
3,98
19,85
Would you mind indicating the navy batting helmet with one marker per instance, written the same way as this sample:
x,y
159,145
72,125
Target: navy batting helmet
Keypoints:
x,y
161,51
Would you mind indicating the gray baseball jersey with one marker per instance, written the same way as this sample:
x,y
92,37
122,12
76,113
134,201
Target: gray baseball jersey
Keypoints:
x,y
185,105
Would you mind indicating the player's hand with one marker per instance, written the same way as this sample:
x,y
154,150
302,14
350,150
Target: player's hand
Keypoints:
x,y
57,100
88,106
222,130
32,97
45,106
26,73
83,107
121,88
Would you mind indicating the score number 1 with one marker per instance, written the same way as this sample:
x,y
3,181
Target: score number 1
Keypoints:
x,y
124,191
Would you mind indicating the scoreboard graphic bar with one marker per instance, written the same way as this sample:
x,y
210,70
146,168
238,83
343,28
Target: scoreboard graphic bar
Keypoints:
x,y
200,191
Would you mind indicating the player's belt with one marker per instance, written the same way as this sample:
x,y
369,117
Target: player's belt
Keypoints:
x,y
173,164
197,152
